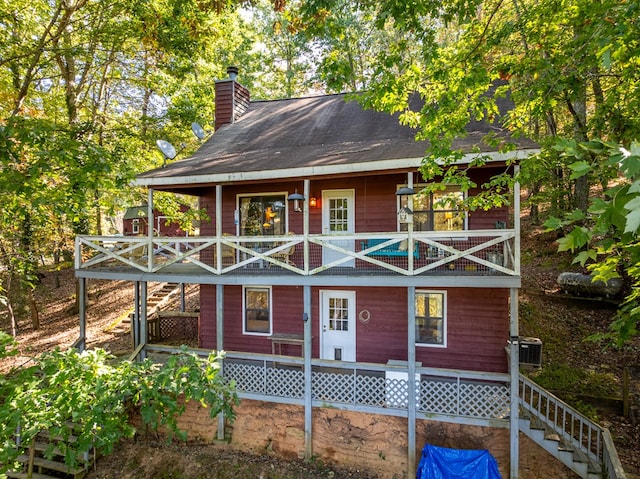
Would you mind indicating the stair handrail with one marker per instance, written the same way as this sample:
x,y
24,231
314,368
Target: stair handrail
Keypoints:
x,y
574,428
610,461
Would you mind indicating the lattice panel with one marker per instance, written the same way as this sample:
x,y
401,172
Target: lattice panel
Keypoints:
x,y
332,387
397,392
172,328
484,400
438,397
248,377
285,382
370,390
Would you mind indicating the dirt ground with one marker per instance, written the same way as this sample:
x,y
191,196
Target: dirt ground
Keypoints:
x,y
561,322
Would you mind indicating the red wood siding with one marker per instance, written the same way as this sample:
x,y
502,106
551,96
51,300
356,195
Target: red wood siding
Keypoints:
x,y
477,325
375,203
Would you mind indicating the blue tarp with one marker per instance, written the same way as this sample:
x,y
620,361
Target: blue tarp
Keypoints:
x,y
442,463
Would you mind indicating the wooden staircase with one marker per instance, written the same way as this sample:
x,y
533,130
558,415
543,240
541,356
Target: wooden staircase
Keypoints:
x,y
46,461
570,456
579,443
156,300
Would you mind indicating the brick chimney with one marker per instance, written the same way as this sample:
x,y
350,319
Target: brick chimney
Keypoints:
x,y
232,99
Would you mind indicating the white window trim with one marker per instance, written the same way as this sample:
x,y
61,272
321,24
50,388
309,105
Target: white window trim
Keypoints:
x,y
261,193
244,310
444,319
135,226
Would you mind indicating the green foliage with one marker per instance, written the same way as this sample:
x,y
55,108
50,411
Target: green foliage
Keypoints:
x,y
571,383
605,239
91,396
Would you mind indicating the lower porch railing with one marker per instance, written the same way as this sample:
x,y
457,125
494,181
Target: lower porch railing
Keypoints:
x,y
466,397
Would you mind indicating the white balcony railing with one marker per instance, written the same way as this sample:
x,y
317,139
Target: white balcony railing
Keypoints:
x,y
455,253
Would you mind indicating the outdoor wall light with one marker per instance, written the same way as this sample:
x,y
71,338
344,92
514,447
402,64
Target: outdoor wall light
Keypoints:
x,y
296,198
405,215
313,202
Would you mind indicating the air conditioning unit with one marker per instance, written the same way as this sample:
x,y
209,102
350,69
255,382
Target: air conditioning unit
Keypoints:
x,y
530,352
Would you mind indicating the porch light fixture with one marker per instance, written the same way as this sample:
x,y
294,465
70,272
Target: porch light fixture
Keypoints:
x,y
313,202
405,215
296,198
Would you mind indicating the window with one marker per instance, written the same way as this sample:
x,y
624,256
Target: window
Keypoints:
x,y
431,318
437,211
262,215
257,310
135,226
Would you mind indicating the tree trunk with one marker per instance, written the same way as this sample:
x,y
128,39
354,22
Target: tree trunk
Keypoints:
x,y
35,315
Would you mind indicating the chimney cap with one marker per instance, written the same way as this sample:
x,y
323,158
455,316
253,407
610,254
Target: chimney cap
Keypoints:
x,y
232,71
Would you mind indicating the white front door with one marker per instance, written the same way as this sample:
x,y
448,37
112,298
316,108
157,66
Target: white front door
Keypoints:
x,y
337,325
338,218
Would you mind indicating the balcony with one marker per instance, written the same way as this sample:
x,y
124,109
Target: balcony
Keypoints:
x,y
456,253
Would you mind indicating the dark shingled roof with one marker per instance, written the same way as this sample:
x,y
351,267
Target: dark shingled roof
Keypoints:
x,y
308,132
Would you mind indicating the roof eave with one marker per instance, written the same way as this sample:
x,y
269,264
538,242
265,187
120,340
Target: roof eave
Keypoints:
x,y
323,170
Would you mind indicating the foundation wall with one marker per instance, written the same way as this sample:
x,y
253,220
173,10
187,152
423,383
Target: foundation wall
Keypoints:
x,y
369,442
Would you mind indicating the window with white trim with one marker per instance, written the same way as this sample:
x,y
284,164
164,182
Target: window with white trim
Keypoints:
x,y
431,318
135,226
256,309
437,211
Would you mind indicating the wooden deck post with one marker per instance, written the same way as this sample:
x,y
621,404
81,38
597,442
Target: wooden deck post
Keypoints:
x,y
308,410
82,311
411,381
514,370
220,344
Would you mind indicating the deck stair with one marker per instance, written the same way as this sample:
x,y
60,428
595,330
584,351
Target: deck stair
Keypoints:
x,y
45,462
570,456
579,443
156,300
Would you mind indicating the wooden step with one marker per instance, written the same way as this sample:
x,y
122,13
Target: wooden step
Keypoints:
x,y
24,475
39,462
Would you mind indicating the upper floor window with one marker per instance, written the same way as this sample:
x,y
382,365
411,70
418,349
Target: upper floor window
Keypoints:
x,y
257,310
431,318
263,215
437,211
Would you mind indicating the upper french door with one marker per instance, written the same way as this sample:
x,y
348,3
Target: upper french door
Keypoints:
x,y
338,218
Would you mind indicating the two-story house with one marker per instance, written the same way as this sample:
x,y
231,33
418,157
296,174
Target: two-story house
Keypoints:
x,y
329,279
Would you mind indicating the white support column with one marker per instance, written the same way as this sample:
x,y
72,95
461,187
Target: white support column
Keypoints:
x,y
410,244
220,344
150,223
135,323
308,335
516,221
411,381
514,370
143,319
218,264
305,222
